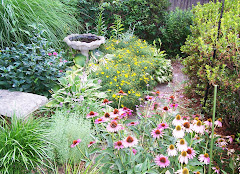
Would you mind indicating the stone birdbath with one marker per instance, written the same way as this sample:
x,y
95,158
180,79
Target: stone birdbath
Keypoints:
x,y
84,42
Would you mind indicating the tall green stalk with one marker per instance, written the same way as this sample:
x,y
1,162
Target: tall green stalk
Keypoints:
x,y
213,120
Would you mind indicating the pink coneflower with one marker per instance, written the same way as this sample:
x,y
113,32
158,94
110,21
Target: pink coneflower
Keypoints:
x,y
182,171
216,169
115,113
163,126
157,133
133,123
183,158
156,93
230,138
118,145
171,150
222,142
121,93
177,120
100,120
130,141
75,143
49,54
114,126
198,127
171,98
106,115
134,151
173,105
182,145
178,132
185,117
218,122
162,161
204,158
187,127
165,109
149,98
208,123
55,54
91,143
92,114
190,153
106,101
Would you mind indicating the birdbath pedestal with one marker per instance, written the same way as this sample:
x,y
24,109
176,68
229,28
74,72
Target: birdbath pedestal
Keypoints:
x,y
84,42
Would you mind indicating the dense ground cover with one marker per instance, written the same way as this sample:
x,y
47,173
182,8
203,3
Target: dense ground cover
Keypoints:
x,y
103,117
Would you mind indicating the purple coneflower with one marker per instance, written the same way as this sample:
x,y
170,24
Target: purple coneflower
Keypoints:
x,y
133,123
178,132
216,169
187,127
92,114
173,105
115,113
198,127
106,115
162,161
183,158
218,122
182,171
182,145
177,120
149,98
100,120
106,101
121,93
130,141
165,109
204,158
190,153
163,126
208,123
157,133
171,150
118,145
134,151
75,143
91,143
114,126
155,106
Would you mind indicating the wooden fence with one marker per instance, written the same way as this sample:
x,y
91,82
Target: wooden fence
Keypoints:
x,y
185,4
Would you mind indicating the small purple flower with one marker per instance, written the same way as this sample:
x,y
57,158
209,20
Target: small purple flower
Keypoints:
x,y
49,54
61,104
55,54
99,81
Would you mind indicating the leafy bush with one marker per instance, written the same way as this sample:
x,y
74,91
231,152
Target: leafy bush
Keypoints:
x,y
130,66
23,145
16,16
224,69
77,91
64,129
32,68
175,30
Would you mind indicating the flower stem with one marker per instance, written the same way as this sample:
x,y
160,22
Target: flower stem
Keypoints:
x,y
119,102
83,153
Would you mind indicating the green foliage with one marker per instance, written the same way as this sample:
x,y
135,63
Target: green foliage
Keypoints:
x,y
145,15
23,145
64,129
31,68
175,30
76,90
224,69
16,16
117,27
130,65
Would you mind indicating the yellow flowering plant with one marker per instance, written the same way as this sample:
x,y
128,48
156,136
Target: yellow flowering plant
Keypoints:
x,y
131,68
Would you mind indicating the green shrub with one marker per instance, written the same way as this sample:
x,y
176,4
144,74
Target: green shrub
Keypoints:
x,y
23,145
175,30
130,66
32,68
224,69
64,129
16,16
75,91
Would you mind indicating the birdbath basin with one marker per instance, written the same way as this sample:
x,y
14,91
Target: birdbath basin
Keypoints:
x,y
84,42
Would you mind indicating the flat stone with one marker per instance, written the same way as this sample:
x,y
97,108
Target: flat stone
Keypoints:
x,y
20,103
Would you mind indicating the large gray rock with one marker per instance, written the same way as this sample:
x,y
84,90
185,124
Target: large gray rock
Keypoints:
x,y
19,103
